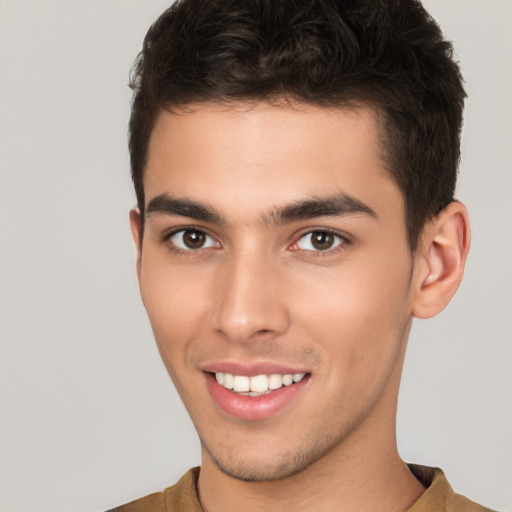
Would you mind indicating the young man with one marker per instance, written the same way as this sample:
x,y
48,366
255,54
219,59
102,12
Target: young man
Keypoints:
x,y
295,165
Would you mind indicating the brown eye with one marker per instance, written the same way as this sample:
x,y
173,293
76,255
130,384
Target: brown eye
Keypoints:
x,y
192,239
319,241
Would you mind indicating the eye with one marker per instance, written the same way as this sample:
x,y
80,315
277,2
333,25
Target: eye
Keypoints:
x,y
192,239
319,241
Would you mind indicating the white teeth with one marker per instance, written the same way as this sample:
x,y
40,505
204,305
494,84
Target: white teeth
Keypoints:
x,y
287,379
240,383
275,381
258,384
228,381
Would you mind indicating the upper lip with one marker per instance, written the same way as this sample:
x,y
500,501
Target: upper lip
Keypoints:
x,y
251,369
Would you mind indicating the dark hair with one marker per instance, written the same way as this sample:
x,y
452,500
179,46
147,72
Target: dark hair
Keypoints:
x,y
389,54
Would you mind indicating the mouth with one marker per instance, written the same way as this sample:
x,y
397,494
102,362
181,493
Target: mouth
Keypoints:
x,y
256,385
255,395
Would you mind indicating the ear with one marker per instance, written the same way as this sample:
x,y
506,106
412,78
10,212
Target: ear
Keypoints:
x,y
440,260
135,225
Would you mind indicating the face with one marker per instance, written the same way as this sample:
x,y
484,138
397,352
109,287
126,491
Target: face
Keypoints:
x,y
276,272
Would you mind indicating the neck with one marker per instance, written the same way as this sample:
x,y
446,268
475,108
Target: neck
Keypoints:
x,y
339,487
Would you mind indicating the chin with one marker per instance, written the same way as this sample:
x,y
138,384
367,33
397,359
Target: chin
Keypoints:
x,y
270,467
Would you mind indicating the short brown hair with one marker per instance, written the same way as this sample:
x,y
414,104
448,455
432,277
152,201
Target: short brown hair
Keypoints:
x,y
389,54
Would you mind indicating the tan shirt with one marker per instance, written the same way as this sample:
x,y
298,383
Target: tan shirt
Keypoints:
x,y
182,497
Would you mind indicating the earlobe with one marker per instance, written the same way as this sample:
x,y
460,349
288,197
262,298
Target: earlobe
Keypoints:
x,y
440,261
135,226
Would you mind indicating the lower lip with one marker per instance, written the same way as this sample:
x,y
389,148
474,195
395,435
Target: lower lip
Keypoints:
x,y
253,407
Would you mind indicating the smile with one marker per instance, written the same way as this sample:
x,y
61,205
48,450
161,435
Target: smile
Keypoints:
x,y
257,395
256,385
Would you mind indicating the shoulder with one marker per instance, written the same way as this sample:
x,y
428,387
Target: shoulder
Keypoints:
x,y
439,496
180,497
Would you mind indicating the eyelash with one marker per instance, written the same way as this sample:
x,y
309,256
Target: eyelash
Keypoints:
x,y
178,250
344,242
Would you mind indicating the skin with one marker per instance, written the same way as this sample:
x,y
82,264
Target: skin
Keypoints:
x,y
259,291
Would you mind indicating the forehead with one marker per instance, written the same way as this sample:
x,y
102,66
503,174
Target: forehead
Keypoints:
x,y
258,156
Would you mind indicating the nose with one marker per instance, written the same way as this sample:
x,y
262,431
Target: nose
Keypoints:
x,y
251,302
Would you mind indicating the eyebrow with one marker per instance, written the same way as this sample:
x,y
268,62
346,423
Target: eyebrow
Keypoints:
x,y
165,204
331,206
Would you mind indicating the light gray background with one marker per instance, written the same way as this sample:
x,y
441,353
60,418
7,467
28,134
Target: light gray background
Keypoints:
x,y
89,418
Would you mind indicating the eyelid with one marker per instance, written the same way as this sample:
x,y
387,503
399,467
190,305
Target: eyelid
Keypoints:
x,y
345,240
169,234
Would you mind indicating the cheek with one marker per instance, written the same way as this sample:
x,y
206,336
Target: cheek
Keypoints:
x,y
173,298
359,315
